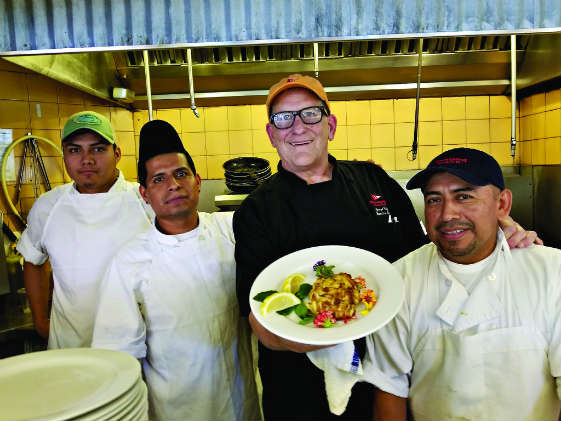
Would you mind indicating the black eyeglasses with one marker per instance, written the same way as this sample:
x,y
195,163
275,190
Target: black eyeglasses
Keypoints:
x,y
308,115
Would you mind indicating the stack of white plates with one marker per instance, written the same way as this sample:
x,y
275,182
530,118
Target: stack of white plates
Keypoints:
x,y
72,384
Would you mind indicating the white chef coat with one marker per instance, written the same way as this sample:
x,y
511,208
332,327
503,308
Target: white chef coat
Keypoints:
x,y
171,299
491,353
79,234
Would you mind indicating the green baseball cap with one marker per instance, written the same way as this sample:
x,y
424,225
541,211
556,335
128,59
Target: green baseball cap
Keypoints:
x,y
89,120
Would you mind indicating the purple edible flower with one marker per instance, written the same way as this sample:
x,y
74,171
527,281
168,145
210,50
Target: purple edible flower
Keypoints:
x,y
318,263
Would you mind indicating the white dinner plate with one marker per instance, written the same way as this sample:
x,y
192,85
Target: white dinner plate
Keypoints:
x,y
121,405
141,411
127,413
63,383
379,274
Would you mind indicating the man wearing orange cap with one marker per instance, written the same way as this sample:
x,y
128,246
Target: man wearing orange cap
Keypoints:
x,y
314,200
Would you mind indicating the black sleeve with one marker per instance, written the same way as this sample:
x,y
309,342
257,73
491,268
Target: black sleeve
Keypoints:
x,y
412,232
253,249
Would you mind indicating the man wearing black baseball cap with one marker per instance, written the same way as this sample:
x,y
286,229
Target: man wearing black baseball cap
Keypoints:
x,y
194,346
479,334
471,165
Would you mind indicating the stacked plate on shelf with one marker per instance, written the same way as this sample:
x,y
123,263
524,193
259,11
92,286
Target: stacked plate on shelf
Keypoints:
x,y
244,174
72,384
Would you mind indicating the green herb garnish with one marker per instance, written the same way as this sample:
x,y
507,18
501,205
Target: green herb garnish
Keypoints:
x,y
303,291
288,310
307,320
262,295
324,271
301,310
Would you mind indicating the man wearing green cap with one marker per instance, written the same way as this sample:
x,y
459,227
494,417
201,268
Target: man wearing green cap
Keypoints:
x,y
168,297
78,227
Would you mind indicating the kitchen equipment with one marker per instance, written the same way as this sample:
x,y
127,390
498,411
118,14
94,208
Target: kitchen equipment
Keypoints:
x,y
244,174
4,278
64,384
38,166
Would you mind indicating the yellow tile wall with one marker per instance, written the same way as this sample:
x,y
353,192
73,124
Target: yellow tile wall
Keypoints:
x,y
540,129
32,103
219,134
380,130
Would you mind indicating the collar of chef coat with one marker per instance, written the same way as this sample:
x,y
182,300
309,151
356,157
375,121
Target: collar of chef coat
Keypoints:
x,y
118,186
462,310
174,240
299,181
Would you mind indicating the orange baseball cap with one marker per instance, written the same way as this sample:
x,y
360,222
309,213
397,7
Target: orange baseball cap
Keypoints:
x,y
296,81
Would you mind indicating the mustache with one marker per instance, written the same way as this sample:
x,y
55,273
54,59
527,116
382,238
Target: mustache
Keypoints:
x,y
443,225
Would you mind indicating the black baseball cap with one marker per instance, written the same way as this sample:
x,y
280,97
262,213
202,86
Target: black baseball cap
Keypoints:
x,y
471,165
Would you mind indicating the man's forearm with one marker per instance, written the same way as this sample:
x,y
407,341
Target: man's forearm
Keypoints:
x,y
38,295
389,407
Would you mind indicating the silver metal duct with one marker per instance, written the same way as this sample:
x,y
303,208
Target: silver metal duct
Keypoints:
x,y
372,69
148,85
54,26
512,95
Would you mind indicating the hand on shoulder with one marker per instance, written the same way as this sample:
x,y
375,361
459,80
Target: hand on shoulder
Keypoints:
x,y
516,236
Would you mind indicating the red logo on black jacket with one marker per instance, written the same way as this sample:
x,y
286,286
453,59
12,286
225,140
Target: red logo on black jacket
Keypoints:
x,y
377,200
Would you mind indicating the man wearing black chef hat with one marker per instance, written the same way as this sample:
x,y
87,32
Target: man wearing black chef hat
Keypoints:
x,y
169,295
479,333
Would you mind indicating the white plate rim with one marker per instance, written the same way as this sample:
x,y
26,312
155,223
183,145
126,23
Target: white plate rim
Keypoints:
x,y
126,369
114,408
389,288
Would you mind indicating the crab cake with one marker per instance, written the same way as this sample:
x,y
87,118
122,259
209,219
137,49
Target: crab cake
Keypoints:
x,y
339,293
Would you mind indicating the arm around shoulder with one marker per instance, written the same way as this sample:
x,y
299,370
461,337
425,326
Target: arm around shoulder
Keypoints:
x,y
516,236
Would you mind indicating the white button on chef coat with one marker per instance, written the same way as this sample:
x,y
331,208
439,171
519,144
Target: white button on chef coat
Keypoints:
x,y
80,234
171,299
494,353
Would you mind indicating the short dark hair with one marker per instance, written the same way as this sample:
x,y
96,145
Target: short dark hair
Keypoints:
x,y
142,173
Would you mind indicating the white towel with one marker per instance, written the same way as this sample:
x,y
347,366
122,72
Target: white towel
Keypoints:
x,y
342,368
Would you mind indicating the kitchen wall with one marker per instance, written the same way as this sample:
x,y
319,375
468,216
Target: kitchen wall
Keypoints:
x,y
381,130
31,103
540,129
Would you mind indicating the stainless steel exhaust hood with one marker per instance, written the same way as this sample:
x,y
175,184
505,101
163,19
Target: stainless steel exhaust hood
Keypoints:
x,y
452,66
366,48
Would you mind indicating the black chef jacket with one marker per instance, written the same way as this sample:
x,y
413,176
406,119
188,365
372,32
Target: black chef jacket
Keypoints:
x,y
361,206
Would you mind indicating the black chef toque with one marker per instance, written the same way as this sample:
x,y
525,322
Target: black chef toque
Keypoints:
x,y
158,137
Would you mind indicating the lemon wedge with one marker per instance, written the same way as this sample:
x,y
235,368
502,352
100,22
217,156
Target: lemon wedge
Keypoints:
x,y
278,301
293,282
